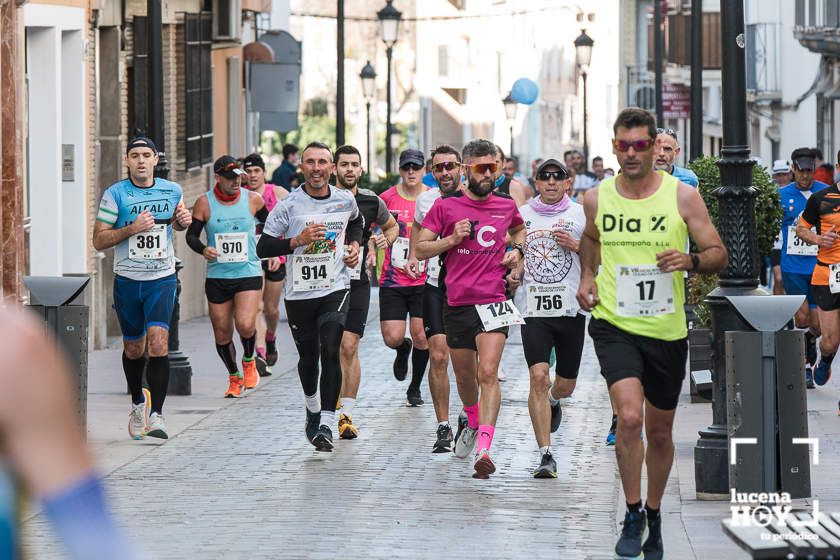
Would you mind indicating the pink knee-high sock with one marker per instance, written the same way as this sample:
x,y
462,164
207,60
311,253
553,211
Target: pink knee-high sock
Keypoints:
x,y
472,415
485,436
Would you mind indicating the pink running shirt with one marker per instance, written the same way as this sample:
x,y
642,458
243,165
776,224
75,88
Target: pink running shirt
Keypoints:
x,y
474,270
403,211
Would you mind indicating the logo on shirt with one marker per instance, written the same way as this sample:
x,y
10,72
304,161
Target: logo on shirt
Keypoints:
x,y
481,236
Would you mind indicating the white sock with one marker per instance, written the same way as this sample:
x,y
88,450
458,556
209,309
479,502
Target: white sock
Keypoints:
x,y
551,400
313,403
544,450
327,418
444,423
347,405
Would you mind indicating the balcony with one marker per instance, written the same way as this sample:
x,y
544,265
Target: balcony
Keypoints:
x,y
677,30
763,61
818,25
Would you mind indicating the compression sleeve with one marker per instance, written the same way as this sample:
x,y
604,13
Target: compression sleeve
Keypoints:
x,y
193,236
262,215
270,246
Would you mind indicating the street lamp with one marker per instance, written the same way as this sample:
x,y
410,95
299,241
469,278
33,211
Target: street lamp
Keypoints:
x,y
394,138
368,76
510,113
583,56
389,26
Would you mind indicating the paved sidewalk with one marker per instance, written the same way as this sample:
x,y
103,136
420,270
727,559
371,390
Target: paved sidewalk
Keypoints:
x,y
239,480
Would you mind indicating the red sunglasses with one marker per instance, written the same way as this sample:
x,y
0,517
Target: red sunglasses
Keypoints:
x,y
642,145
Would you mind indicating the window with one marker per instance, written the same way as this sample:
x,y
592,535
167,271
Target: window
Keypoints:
x,y
227,19
198,89
443,61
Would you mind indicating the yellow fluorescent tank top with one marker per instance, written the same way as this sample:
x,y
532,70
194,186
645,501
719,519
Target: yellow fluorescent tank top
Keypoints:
x,y
635,295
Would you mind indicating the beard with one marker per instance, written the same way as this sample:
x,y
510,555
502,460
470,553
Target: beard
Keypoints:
x,y
480,187
343,182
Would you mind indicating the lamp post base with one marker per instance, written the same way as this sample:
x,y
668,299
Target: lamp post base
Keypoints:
x,y
711,464
180,374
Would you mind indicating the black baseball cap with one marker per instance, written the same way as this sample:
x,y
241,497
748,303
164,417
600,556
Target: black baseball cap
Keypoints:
x,y
803,159
553,162
141,142
253,160
412,156
227,167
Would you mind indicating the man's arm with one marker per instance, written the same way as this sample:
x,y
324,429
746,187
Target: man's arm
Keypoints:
x,y
428,244
520,193
713,255
590,253
106,236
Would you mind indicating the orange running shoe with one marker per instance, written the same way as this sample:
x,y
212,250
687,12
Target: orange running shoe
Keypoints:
x,y
252,376
237,384
346,429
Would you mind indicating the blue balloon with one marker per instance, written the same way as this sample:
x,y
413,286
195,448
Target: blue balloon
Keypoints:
x,y
524,91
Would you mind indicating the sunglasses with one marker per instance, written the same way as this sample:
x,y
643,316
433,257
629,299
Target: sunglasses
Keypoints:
x,y
669,131
548,175
445,166
411,167
642,145
482,168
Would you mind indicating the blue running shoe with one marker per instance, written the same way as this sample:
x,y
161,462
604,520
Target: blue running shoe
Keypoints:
x,y
822,373
809,377
611,434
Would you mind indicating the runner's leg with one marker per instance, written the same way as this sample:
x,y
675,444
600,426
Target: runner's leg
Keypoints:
x,y
628,399
660,451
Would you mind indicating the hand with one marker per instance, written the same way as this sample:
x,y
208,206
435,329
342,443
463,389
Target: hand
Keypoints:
x,y
371,259
412,268
587,294
273,264
183,216
673,260
312,232
381,241
566,241
351,255
512,259
210,253
462,229
827,239
514,279
144,222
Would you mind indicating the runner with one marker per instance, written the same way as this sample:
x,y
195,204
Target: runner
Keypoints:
x,y
550,275
446,167
274,269
348,162
636,230
234,275
314,222
508,184
136,217
472,226
399,293
798,257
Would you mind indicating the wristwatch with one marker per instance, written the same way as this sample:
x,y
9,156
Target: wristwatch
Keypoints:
x,y
518,247
695,260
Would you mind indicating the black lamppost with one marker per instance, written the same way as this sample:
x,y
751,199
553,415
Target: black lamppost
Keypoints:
x,y
737,227
583,56
389,26
154,15
510,113
368,76
339,85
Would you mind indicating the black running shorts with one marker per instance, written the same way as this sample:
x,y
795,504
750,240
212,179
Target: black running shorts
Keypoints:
x,y
825,299
564,334
220,290
776,257
357,312
658,364
277,276
462,325
396,303
433,302
306,316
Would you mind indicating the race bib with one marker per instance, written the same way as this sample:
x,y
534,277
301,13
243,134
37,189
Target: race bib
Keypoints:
x,y
834,278
399,252
356,271
313,272
551,300
497,315
149,245
643,290
796,246
232,247
433,268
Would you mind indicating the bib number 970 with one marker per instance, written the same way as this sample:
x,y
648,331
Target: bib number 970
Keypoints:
x,y
232,247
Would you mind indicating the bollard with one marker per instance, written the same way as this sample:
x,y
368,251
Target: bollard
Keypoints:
x,y
180,370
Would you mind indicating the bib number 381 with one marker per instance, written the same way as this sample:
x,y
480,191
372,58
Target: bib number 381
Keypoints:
x,y
643,291
312,272
151,244
498,315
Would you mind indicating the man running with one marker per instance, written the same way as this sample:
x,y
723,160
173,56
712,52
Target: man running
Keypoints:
x,y
274,269
798,257
470,227
136,217
321,228
234,275
446,167
666,151
399,293
550,276
636,230
348,170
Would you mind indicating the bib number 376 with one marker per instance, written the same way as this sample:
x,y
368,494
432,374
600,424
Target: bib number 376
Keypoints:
x,y
643,290
498,315
312,272
150,244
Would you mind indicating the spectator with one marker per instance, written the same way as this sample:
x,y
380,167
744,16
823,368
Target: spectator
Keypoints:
x,y
584,180
284,174
531,180
823,172
598,168
667,148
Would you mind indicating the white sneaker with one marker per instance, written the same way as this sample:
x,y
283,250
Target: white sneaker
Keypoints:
x,y
465,444
501,374
137,420
157,428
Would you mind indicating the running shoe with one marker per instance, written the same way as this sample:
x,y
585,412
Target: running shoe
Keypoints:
x,y
629,545
465,444
157,428
483,464
271,352
443,444
137,420
822,373
653,544
249,370
462,423
412,397
401,361
323,439
262,367
547,468
313,420
500,374
611,434
556,417
235,388
346,429
809,377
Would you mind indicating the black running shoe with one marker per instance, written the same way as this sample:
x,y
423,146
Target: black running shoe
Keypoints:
x,y
809,377
412,397
323,439
401,361
653,544
444,439
547,468
313,420
271,352
556,417
262,367
629,545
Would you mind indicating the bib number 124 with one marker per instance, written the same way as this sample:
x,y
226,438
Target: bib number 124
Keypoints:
x,y
498,315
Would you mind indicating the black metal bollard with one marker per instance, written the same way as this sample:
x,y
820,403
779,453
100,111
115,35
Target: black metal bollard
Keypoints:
x,y
180,370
